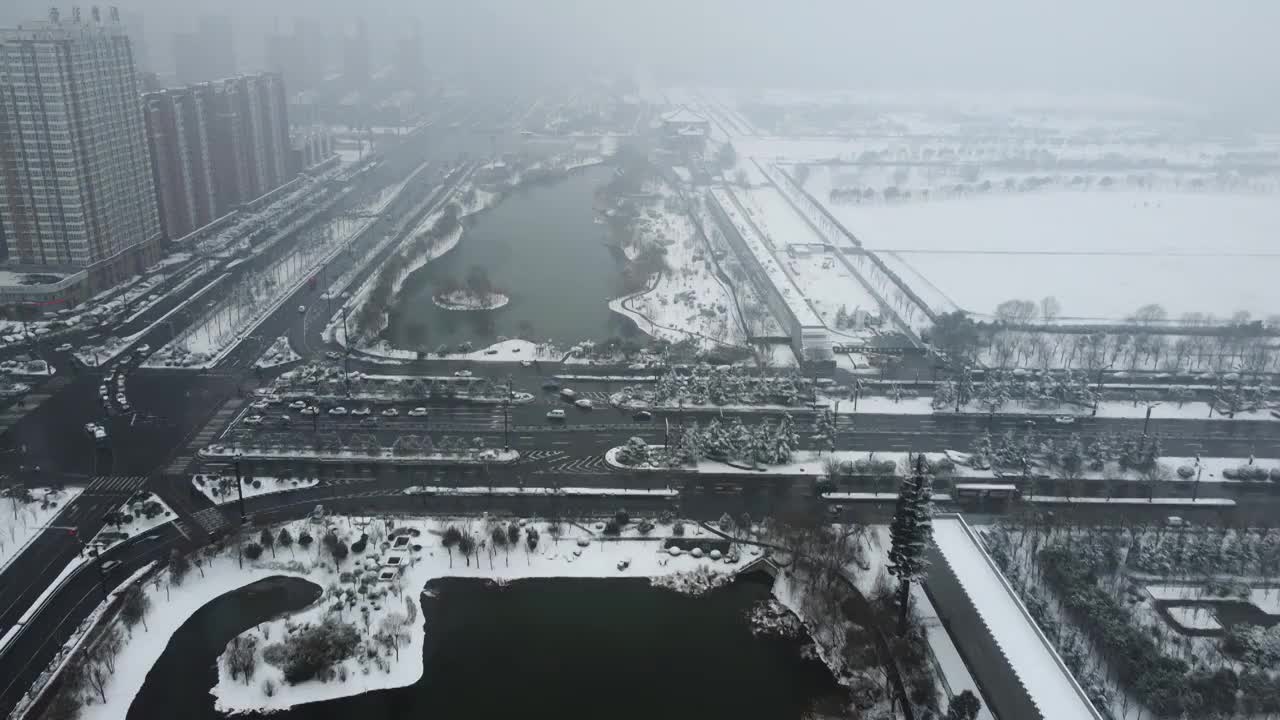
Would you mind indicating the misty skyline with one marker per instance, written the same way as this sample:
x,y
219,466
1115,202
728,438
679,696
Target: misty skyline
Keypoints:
x,y
1207,54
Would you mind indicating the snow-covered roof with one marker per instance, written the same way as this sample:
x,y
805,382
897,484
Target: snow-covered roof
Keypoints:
x,y
683,114
1040,671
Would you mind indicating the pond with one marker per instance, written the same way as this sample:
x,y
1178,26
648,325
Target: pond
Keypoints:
x,y
542,247
615,648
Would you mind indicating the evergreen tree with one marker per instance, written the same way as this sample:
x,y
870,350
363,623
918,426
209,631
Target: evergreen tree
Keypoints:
x,y
944,396
826,432
786,440
982,451
910,533
964,706
761,442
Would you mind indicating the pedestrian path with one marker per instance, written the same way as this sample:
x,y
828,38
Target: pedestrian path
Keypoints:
x,y
211,430
115,485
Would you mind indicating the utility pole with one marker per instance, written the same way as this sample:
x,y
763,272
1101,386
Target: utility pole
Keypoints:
x,y
240,488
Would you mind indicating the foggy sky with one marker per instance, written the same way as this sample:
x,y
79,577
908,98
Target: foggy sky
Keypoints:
x,y
1204,51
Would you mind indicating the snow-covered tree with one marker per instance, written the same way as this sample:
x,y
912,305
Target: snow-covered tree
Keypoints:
x,y
786,440
944,395
910,533
826,431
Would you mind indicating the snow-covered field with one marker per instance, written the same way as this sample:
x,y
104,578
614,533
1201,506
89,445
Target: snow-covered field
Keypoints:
x,y
20,522
222,489
1143,247
137,523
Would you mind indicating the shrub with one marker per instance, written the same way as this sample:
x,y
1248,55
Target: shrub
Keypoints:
x,y
257,484
312,651
621,517
612,528
253,551
666,517
359,545
645,527
1231,473
1185,471
1275,474
678,529
305,539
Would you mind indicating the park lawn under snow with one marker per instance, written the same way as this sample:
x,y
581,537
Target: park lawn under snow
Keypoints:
x,y
566,558
22,522
687,299
1143,247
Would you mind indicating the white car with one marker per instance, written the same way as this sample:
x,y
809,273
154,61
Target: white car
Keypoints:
x,y
253,420
583,404
390,412
1064,419
333,355
297,405
120,398
463,373
418,412
360,411
526,363
313,410
338,410
568,393
556,414
302,309
144,349
64,347
124,405
259,404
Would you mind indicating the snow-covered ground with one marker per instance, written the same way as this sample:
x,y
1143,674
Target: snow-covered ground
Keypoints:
x,y
222,489
1194,617
513,350
21,522
1144,247
280,353
688,298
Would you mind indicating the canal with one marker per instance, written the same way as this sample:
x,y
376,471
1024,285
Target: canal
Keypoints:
x,y
614,648
543,248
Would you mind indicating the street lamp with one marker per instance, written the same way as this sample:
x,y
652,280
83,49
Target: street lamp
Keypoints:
x,y
240,486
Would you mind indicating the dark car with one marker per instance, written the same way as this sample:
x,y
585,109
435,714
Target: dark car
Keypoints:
x,y
643,415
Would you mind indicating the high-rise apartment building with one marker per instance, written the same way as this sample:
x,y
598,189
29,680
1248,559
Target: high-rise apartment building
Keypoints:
x,y
75,182
216,145
178,138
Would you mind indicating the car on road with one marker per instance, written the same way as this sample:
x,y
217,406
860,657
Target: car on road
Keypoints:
x,y
110,565
253,420
121,398
1064,419
463,373
582,404
297,405
643,415
390,412
360,411
302,309
526,363
418,412
337,410
64,347
369,422
126,359
144,349
556,414
313,410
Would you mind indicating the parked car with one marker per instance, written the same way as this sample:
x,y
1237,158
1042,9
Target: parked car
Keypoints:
x,y
313,410
110,565
297,405
1064,419
491,351
360,411
338,410
333,355
253,420
124,405
643,415
568,393
144,349
284,420
526,363
258,404
64,347
556,414
390,412
302,309
369,422
463,373
418,412
583,404
126,360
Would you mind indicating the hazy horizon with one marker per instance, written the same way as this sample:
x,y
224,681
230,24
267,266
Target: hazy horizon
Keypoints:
x,y
1212,55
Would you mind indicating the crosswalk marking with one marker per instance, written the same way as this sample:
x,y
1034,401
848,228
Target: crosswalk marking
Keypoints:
x,y
210,519
115,485
178,465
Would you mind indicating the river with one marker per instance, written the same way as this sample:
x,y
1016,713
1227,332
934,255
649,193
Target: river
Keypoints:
x,y
563,648
541,246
